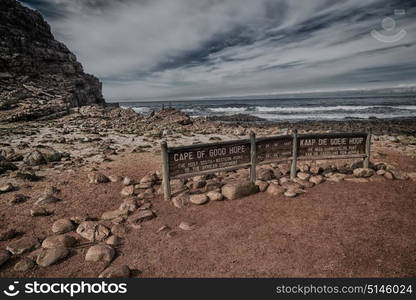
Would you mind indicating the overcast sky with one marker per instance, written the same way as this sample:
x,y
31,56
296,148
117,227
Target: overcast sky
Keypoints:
x,y
187,49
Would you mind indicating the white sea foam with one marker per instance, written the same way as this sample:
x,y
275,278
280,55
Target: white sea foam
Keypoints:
x,y
307,109
228,109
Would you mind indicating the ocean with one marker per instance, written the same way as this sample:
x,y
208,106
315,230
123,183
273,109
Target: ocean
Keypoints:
x,y
292,109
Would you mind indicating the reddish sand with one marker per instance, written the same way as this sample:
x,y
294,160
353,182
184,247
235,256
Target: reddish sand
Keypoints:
x,y
334,230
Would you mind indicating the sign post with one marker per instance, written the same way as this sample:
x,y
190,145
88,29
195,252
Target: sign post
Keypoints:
x,y
253,157
367,150
165,170
293,167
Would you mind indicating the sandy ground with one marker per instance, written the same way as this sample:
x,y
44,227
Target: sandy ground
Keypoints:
x,y
334,230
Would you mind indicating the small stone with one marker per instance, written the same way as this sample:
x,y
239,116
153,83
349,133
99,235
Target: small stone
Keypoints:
x,y
6,188
128,181
388,175
97,178
121,271
304,183
98,253
47,199
215,196
275,189
303,176
181,200
93,231
4,256
7,234
18,198
62,226
239,190
263,185
336,177
290,194
39,212
115,178
381,172
128,191
317,179
25,244
186,226
34,158
198,199
356,180
141,216
363,172
316,170
113,240
23,265
113,214
129,205
50,256
148,178
58,241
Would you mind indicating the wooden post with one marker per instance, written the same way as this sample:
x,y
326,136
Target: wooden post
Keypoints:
x,y
293,168
165,171
253,155
366,163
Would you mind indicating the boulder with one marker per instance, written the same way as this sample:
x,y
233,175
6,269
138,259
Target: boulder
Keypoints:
x,y
23,245
24,264
238,190
59,241
275,189
114,214
141,216
303,176
39,212
198,199
129,205
50,256
93,231
47,199
34,158
363,172
113,240
265,174
316,179
118,271
181,200
99,253
215,196
6,188
62,226
128,191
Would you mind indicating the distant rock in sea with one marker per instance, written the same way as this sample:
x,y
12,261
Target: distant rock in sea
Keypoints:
x,y
39,76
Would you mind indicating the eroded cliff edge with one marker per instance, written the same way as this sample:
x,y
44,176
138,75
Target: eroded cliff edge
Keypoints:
x,y
39,76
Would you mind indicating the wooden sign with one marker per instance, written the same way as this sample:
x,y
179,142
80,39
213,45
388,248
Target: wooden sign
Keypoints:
x,y
189,161
274,148
328,145
201,158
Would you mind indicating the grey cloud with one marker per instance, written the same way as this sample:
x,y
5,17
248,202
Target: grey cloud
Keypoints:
x,y
164,49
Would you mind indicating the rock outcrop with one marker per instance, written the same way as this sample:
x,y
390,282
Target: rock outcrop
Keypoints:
x,y
39,76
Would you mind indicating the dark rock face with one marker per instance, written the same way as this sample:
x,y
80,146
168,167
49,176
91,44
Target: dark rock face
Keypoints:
x,y
39,76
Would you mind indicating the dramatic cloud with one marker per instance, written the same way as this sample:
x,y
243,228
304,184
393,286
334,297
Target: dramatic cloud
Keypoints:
x,y
176,49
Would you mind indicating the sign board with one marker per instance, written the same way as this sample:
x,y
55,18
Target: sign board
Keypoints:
x,y
189,161
331,145
274,148
200,158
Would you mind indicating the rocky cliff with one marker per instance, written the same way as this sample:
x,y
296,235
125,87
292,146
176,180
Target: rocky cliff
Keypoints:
x,y
39,76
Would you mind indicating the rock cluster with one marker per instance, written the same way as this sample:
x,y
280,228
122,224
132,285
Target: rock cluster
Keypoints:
x,y
275,180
